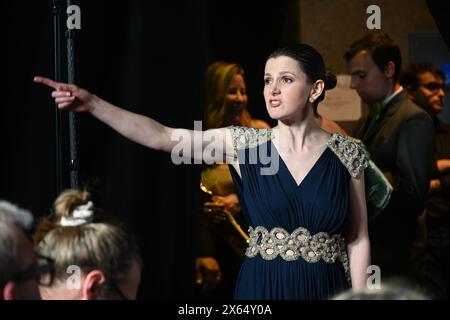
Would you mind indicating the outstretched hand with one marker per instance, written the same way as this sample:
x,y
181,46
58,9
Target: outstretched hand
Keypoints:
x,y
68,96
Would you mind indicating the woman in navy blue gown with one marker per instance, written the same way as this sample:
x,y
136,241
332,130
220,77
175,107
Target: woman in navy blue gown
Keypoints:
x,y
301,188
313,203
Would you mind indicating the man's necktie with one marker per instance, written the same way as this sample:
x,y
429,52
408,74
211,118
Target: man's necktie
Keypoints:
x,y
375,110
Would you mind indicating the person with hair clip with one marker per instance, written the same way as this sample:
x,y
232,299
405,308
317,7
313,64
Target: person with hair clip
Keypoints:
x,y
94,258
300,187
220,243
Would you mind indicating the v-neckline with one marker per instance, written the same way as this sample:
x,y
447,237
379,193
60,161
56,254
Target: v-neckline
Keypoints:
x,y
298,185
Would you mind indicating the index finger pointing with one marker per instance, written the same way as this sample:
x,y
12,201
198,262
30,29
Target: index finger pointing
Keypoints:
x,y
47,82
59,86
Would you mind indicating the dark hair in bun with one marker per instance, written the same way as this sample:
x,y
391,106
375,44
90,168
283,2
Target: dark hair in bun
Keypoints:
x,y
311,63
330,80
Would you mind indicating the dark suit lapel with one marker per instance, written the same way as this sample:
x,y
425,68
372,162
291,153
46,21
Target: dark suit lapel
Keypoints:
x,y
361,127
386,114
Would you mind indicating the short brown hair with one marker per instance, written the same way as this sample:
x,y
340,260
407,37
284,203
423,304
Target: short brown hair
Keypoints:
x,y
382,49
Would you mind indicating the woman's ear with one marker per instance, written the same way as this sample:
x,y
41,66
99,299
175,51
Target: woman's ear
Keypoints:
x,y
93,285
317,89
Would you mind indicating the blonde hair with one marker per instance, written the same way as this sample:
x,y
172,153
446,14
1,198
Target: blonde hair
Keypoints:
x,y
98,244
218,79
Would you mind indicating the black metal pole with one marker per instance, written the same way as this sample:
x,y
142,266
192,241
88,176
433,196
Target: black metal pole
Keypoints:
x,y
64,125
57,11
70,35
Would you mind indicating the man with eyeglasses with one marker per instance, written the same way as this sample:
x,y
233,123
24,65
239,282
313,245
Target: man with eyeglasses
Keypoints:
x,y
425,85
20,267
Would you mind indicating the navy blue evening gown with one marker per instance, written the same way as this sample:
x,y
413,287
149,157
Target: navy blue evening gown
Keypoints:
x,y
320,204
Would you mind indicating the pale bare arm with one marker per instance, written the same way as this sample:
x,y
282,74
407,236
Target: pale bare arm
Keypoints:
x,y
139,128
357,237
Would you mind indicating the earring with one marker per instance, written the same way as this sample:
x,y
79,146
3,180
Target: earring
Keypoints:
x,y
311,100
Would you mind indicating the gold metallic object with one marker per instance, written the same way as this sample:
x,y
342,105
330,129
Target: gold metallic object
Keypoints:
x,y
227,213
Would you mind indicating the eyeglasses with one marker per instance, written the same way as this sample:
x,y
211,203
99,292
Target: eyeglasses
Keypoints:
x,y
434,86
42,271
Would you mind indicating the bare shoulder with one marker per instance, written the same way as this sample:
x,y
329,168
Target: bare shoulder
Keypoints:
x,y
259,124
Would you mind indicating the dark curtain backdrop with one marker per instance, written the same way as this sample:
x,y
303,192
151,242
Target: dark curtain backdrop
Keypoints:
x,y
148,57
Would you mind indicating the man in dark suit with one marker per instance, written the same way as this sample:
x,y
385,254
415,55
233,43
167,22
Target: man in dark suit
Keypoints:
x,y
399,137
425,85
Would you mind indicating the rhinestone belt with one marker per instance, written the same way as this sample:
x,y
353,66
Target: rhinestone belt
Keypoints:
x,y
300,243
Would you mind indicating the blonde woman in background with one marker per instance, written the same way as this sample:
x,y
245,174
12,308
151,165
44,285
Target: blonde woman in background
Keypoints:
x,y
220,247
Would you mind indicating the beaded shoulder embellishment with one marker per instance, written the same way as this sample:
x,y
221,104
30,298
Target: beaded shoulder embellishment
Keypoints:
x,y
351,152
245,138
